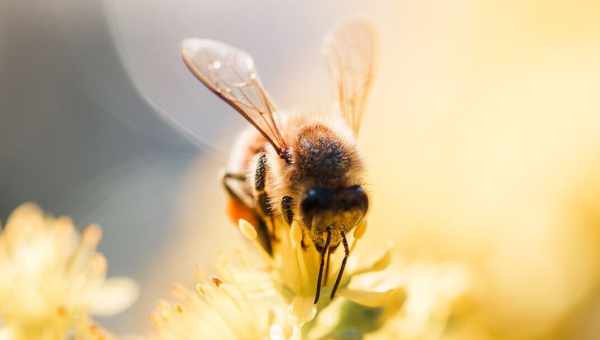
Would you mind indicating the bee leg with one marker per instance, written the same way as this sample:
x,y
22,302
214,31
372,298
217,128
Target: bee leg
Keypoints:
x,y
259,185
265,239
248,211
341,272
230,191
236,176
274,229
286,208
265,206
264,202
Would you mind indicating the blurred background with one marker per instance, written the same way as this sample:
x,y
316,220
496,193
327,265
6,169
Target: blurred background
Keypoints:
x,y
482,138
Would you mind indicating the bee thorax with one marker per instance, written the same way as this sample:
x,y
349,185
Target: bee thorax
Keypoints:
x,y
322,158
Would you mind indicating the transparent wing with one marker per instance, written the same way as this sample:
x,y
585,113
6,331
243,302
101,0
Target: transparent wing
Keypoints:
x,y
351,51
230,74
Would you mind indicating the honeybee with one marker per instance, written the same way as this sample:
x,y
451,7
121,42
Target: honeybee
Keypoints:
x,y
303,168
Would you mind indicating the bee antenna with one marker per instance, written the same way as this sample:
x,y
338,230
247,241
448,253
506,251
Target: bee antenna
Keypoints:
x,y
320,277
341,272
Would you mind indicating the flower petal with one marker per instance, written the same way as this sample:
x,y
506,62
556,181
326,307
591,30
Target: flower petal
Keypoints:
x,y
247,230
6,334
374,298
302,310
378,264
114,296
360,229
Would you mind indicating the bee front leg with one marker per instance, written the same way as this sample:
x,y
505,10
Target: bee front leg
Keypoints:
x,y
239,204
286,208
228,188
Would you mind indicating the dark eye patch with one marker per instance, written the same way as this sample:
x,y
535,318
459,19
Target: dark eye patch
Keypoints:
x,y
317,199
325,199
351,198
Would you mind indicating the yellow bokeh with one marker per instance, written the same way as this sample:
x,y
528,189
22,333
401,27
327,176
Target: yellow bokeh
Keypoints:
x,y
491,128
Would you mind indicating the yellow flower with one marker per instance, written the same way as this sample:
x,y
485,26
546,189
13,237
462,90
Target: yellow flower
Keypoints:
x,y
268,298
294,269
52,278
241,303
434,296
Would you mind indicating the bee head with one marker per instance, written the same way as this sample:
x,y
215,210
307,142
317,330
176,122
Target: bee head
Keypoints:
x,y
334,209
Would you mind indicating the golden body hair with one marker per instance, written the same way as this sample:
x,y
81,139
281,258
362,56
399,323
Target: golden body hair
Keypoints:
x,y
323,153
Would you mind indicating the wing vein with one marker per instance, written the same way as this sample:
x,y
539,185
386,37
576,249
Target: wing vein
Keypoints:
x,y
230,74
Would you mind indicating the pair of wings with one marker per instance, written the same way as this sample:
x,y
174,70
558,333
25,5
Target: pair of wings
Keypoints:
x,y
230,74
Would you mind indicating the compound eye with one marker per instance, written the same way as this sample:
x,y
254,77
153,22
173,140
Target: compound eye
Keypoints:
x,y
356,190
316,199
310,203
352,198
